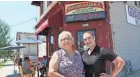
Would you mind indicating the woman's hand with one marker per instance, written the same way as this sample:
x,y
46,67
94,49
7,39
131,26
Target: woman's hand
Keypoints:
x,y
105,75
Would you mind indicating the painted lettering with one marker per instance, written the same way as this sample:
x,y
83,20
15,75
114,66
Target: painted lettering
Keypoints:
x,y
130,11
133,12
83,5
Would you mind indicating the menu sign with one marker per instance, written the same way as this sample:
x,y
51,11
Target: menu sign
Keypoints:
x,y
83,11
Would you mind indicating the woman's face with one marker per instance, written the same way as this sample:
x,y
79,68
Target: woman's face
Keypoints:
x,y
66,41
89,40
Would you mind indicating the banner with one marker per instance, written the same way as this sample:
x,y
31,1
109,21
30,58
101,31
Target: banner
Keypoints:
x,y
133,15
83,11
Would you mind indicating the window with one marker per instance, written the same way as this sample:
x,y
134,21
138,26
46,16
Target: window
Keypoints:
x,y
137,3
52,40
51,45
48,3
44,6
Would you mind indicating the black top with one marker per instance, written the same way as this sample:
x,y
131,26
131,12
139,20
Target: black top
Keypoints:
x,y
95,62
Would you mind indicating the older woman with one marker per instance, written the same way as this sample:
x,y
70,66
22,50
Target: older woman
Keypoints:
x,y
95,57
66,62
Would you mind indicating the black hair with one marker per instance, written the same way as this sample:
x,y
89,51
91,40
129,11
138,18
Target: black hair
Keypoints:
x,y
44,56
91,32
26,58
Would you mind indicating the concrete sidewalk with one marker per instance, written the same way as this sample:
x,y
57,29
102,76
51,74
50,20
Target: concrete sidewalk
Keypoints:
x,y
134,74
8,70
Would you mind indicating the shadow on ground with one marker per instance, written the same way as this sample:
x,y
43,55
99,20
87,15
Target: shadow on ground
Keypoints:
x,y
14,75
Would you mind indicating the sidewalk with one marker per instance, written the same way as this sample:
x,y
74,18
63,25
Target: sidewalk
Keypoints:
x,y
8,70
134,74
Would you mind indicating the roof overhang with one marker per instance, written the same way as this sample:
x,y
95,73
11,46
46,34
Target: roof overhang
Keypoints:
x,y
36,3
44,15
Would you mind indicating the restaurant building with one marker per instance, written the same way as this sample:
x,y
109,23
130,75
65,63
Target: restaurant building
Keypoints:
x,y
76,17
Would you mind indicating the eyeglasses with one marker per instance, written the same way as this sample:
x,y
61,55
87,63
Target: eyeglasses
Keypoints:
x,y
88,38
67,38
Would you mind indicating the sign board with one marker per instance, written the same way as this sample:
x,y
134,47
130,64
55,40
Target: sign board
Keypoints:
x,y
133,15
83,11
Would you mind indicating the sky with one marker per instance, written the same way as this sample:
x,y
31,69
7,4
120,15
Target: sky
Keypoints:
x,y
19,15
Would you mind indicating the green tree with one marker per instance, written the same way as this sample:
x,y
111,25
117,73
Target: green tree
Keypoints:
x,y
4,37
4,33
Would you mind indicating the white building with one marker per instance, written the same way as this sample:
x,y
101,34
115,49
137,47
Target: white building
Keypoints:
x,y
125,19
31,48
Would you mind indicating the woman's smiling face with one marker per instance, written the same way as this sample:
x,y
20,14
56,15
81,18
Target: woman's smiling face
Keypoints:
x,y
89,39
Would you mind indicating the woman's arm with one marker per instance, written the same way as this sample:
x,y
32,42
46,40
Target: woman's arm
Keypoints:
x,y
119,63
53,66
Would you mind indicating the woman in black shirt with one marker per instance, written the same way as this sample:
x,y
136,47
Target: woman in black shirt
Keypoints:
x,y
95,58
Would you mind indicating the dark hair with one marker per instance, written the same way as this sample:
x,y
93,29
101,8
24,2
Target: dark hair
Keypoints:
x,y
44,56
91,32
26,58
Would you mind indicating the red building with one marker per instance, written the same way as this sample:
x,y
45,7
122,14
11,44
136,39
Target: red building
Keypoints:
x,y
76,17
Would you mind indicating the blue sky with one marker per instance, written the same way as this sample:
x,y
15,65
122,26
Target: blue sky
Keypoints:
x,y
14,12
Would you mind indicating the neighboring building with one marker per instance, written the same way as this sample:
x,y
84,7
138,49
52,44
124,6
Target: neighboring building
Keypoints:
x,y
125,21
31,48
56,16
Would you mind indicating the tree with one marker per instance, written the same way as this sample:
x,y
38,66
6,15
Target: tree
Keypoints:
x,y
4,33
4,36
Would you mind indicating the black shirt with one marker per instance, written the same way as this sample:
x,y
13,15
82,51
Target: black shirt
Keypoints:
x,y
95,62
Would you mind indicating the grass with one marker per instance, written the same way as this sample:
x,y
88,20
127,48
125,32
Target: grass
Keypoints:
x,y
1,65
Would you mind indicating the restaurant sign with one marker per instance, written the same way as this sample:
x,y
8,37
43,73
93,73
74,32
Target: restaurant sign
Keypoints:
x,y
133,15
83,11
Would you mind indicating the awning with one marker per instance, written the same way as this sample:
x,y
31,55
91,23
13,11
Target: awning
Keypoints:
x,y
43,26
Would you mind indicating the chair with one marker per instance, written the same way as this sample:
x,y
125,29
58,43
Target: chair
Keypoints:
x,y
24,75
